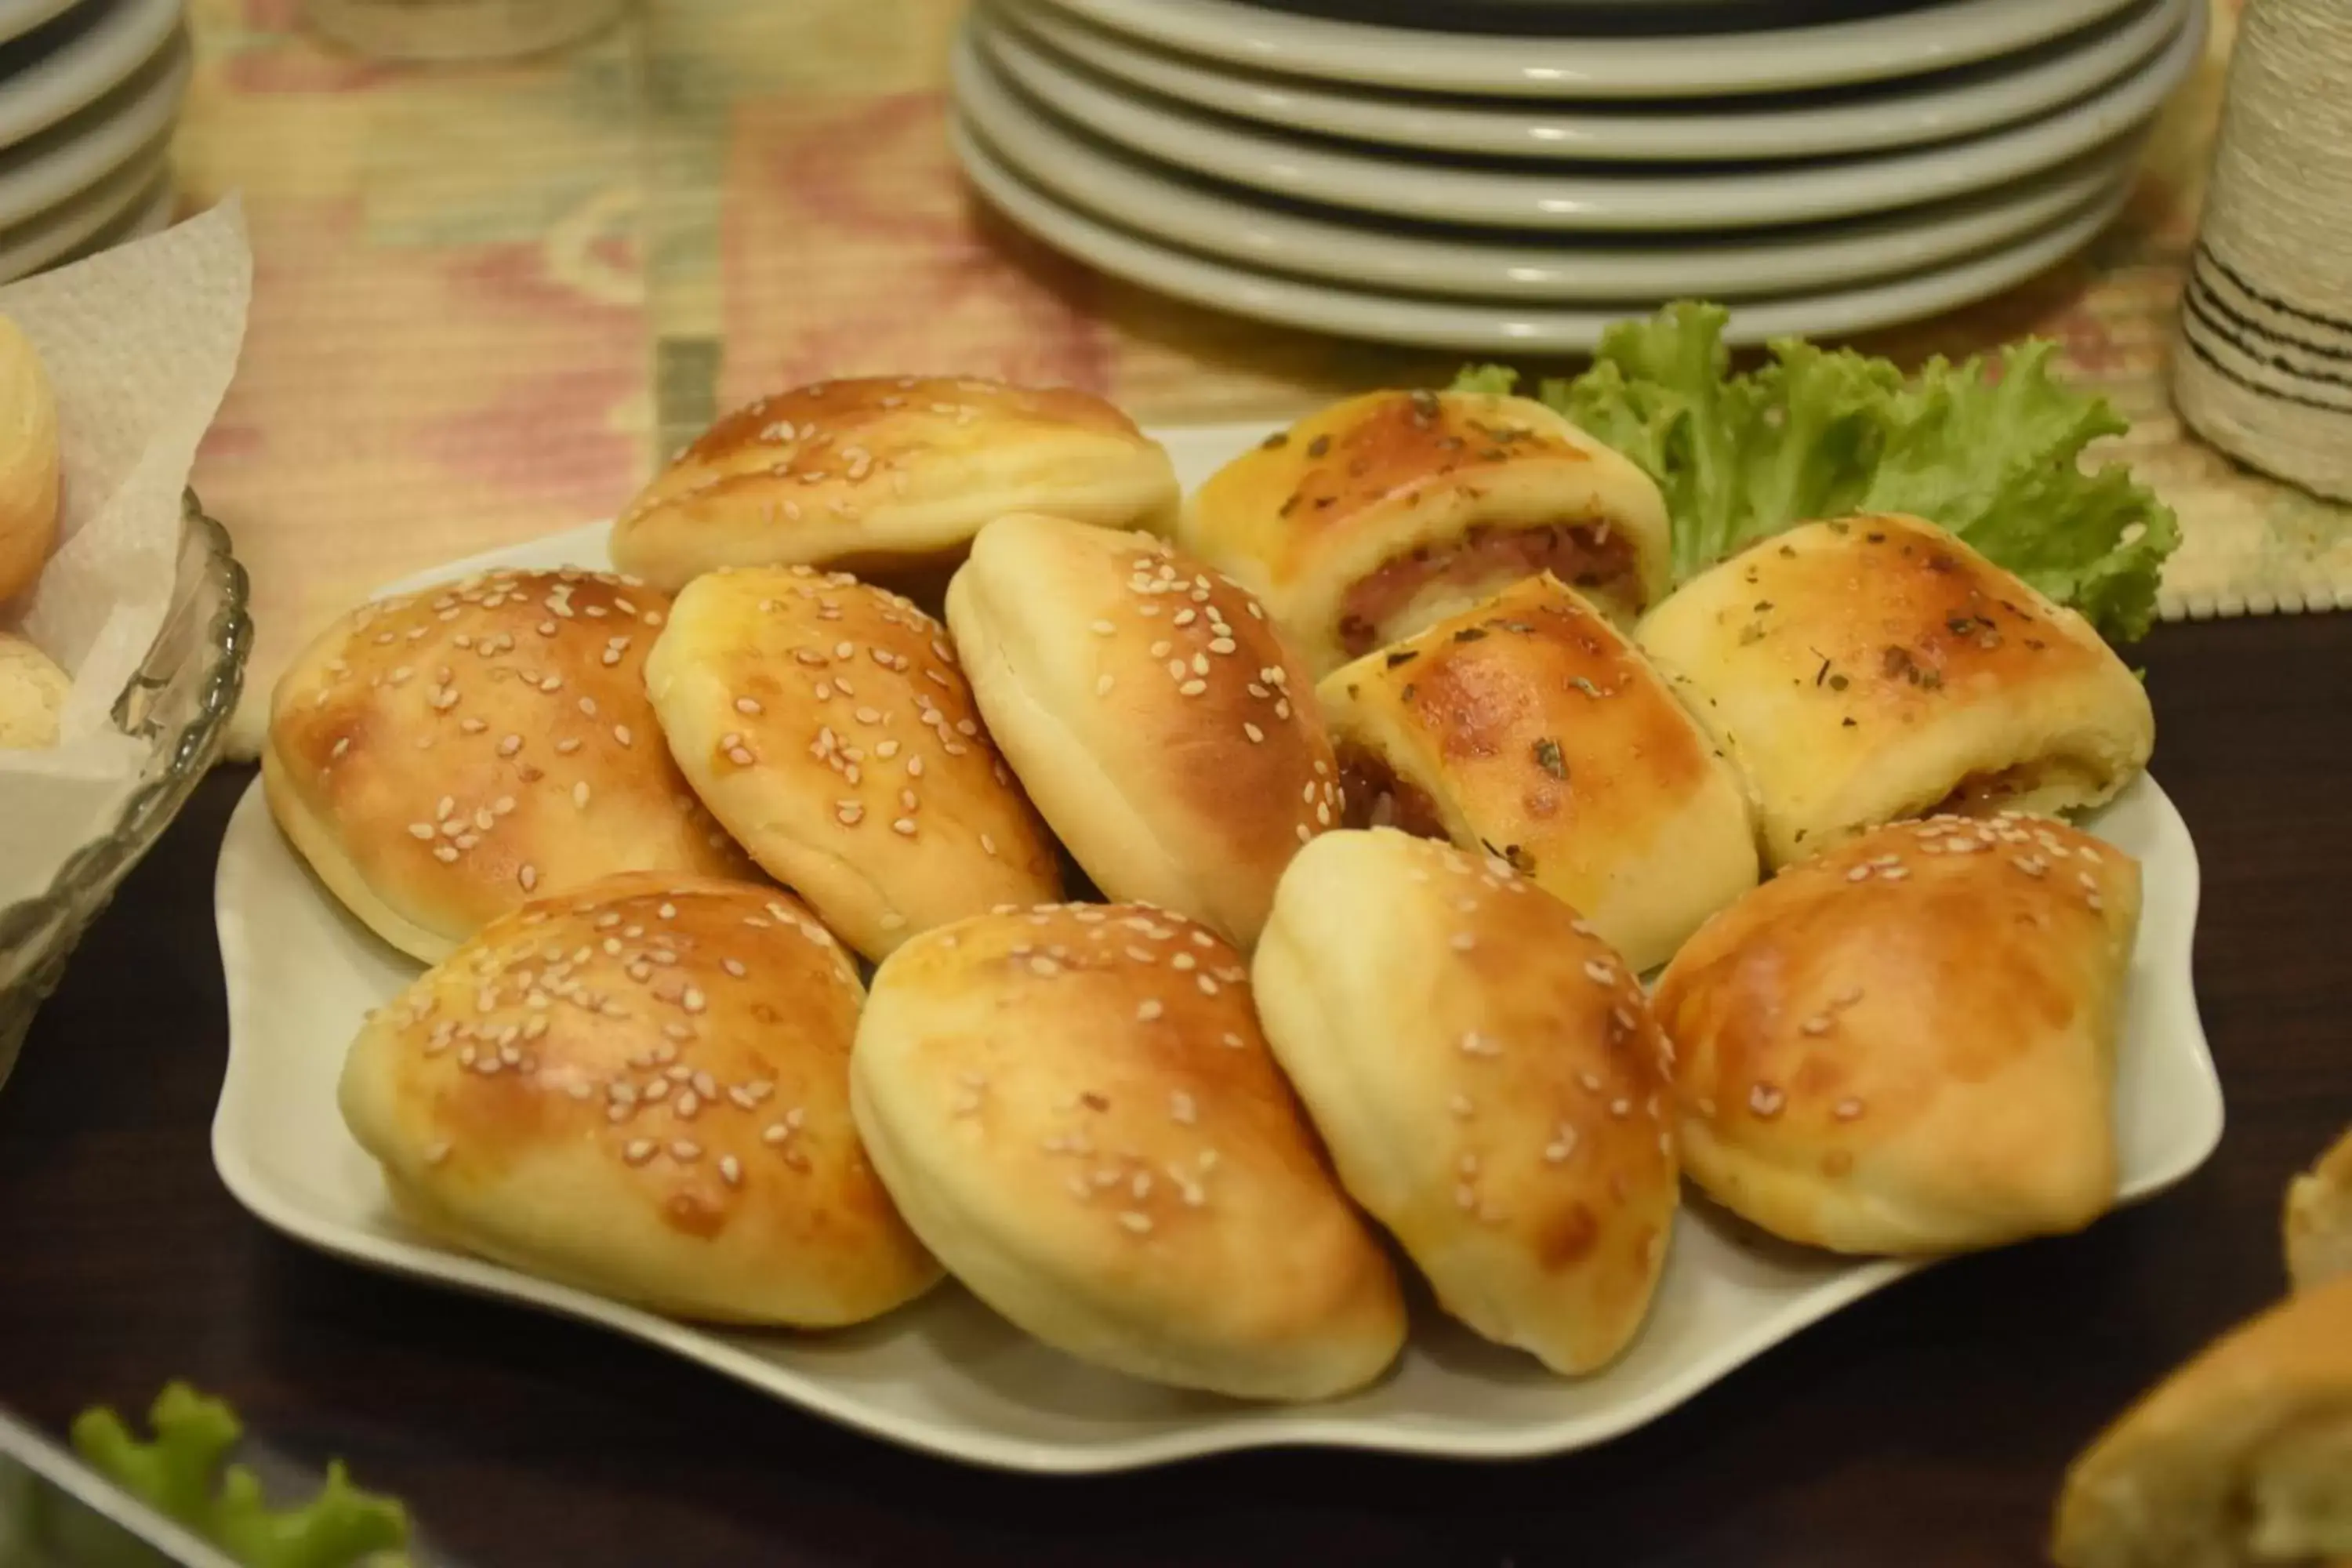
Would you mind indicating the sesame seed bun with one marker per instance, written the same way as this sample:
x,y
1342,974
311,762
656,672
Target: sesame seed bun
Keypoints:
x,y
889,477
1908,1045
2319,1217
1875,668
2243,1456
1536,732
1487,1077
828,726
1168,737
1074,1110
642,1089
441,757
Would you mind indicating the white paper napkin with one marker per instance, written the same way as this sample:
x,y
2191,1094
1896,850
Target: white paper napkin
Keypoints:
x,y
139,342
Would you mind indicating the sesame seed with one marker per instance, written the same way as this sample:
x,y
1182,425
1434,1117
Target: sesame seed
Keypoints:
x,y
638,1151
1252,731
730,1170
1475,1044
445,854
1103,628
528,877
685,1151
1765,1100
1600,972
692,1000
1562,1145
1463,941
1137,1224
904,825
1846,1109
1819,1023
1181,1107
621,733
1621,1108
1859,874
1147,1009
1192,688
1591,1080
423,830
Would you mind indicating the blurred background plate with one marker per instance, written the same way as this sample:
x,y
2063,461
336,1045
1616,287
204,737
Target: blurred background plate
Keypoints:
x,y
1570,196
1826,54
1192,214
1484,326
132,200
19,17
49,74
1923,109
87,147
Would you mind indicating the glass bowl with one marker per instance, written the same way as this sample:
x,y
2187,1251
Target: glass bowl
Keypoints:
x,y
179,702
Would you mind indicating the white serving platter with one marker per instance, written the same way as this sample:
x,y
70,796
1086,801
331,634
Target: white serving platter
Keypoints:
x,y
1783,60
948,1376
1569,197
1935,108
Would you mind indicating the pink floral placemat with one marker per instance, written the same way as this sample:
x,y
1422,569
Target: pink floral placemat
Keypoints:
x,y
487,297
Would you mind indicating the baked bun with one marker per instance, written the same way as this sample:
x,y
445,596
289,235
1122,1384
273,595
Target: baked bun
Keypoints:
x,y
1167,734
2243,1456
880,476
2319,1217
440,757
28,462
1487,1078
1908,1045
1378,516
828,727
1074,1110
1529,727
33,692
1877,668
642,1089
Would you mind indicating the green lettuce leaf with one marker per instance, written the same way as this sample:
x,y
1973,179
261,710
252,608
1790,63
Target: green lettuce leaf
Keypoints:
x,y
175,1473
1990,450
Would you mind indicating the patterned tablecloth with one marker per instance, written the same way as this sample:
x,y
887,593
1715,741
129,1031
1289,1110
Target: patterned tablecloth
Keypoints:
x,y
485,298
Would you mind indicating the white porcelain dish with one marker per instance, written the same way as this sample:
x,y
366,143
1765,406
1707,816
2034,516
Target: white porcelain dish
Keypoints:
x,y
93,52
1238,225
1570,198
109,210
1931,109
1498,327
948,1376
1907,43
18,18
70,157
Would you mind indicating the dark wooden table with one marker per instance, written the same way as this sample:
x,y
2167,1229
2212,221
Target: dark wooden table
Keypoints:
x,y
1928,1426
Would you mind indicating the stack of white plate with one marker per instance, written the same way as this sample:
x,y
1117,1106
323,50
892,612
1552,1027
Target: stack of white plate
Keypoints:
x,y
1519,189
90,90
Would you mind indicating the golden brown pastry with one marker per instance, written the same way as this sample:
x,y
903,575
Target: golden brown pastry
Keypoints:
x,y
828,726
642,1087
2243,1456
1074,1109
1908,1044
1529,729
1877,668
1366,522
33,692
441,756
2319,1217
1487,1077
1165,733
885,476
28,462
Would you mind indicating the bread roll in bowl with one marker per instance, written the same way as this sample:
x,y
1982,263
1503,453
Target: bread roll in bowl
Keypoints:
x,y
642,1089
1372,519
33,692
2319,1217
1487,1077
1074,1107
28,462
441,757
1531,729
828,726
1877,668
888,476
2243,1456
1908,1045
1164,730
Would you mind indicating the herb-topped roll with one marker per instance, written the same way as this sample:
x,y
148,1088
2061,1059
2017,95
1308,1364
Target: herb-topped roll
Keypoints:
x,y
1875,668
1376,517
1529,729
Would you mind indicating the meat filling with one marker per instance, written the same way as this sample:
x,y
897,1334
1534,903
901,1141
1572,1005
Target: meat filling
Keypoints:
x,y
1377,797
1984,793
1585,555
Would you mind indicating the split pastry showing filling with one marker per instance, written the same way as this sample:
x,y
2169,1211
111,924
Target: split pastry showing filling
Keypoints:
x,y
1530,729
1877,668
1383,514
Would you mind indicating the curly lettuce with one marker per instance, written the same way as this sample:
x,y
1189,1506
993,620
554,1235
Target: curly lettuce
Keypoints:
x,y
179,1474
1990,450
